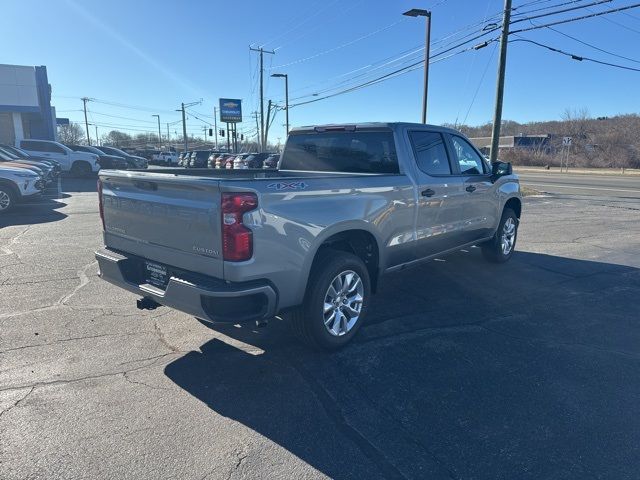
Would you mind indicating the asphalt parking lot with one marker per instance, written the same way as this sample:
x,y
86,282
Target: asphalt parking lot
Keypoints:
x,y
465,370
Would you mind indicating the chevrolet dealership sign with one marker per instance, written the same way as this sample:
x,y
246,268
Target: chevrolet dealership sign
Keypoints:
x,y
230,110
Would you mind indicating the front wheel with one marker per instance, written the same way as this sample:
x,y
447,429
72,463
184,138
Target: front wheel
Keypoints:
x,y
7,199
500,248
81,169
336,301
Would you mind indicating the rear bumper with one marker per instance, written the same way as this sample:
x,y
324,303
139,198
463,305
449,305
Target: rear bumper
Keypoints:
x,y
203,297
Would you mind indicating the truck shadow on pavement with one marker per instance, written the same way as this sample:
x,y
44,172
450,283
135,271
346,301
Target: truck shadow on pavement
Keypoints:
x,y
464,369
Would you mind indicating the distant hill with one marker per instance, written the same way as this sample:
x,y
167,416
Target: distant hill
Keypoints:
x,y
596,142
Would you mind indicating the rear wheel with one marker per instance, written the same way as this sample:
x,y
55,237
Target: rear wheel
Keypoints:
x,y
7,198
81,169
500,248
336,301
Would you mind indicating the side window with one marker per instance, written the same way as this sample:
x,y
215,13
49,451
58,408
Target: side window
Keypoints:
x,y
52,147
32,146
469,160
430,152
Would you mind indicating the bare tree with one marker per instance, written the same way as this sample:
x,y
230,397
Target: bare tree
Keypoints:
x,y
71,134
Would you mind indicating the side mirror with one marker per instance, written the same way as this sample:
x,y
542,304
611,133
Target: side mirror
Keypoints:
x,y
500,169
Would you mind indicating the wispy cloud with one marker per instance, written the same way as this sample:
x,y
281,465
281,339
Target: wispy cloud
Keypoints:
x,y
122,40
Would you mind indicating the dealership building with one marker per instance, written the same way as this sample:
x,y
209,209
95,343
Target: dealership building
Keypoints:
x,y
25,104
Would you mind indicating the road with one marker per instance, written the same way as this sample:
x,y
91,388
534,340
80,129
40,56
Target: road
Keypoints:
x,y
464,370
619,186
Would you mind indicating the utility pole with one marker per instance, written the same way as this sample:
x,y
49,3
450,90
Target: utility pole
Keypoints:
x,y
262,51
266,133
255,115
184,121
286,95
184,128
168,136
86,123
502,64
416,12
97,141
228,140
215,124
159,134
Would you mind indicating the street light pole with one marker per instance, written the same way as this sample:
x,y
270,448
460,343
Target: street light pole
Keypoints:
x,y
159,134
415,12
286,95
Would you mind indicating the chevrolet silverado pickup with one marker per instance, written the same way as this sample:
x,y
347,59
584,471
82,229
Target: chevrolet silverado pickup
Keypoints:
x,y
348,204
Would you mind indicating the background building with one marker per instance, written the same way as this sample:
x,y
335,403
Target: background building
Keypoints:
x,y
541,143
25,104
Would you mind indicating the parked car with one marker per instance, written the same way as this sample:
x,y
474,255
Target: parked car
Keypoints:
x,y
40,167
16,185
271,161
219,160
165,158
132,160
199,158
106,161
26,156
240,161
183,160
348,204
78,163
256,160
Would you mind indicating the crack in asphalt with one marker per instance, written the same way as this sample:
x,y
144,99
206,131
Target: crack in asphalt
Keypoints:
x,y
73,339
12,241
161,336
91,377
333,412
17,402
138,382
62,301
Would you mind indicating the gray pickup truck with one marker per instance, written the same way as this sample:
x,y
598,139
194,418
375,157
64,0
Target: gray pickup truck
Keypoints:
x,y
348,204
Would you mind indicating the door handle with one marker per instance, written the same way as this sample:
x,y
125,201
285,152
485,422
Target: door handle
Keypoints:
x,y
428,193
471,188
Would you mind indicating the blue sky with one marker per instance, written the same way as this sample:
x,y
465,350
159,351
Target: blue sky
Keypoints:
x,y
156,54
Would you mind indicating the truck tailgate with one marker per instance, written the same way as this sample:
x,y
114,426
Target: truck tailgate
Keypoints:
x,y
164,218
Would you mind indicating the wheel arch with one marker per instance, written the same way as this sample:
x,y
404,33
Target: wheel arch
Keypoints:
x,y
515,204
357,239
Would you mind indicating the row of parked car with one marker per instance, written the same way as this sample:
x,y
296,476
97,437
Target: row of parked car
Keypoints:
x,y
27,167
23,175
229,161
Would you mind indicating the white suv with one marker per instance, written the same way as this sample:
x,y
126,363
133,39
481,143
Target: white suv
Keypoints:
x,y
79,163
16,184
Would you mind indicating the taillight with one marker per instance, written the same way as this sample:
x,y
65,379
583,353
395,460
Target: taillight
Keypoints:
x,y
237,240
100,202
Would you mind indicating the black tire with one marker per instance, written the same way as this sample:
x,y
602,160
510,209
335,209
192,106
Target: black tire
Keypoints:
x,y
81,169
307,321
493,249
8,198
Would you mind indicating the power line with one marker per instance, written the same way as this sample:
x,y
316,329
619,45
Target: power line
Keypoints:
x,y
592,46
564,10
330,50
574,19
398,72
574,56
495,47
610,20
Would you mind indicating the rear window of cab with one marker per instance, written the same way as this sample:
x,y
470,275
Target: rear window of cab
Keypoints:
x,y
341,151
